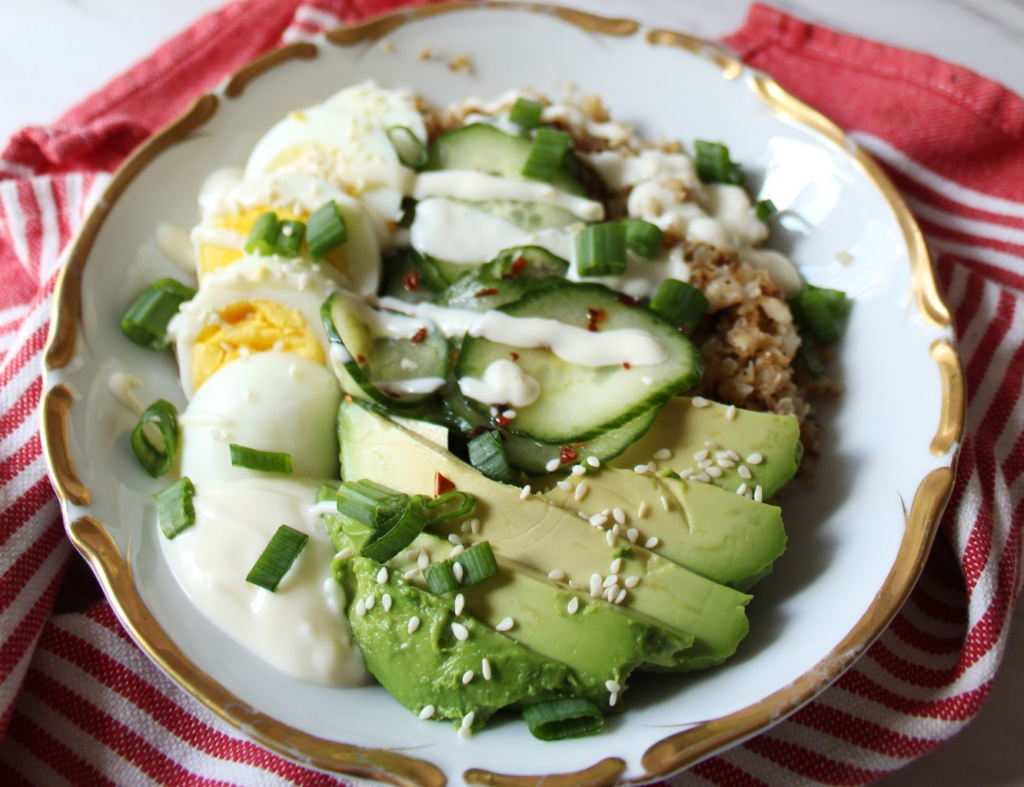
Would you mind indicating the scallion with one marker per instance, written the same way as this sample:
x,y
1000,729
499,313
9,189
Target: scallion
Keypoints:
x,y
555,720
526,113
146,321
262,461
642,237
487,455
714,164
174,509
364,500
325,230
546,154
278,556
410,148
765,209
289,238
680,303
156,459
466,503
817,310
601,250
440,577
395,531
477,563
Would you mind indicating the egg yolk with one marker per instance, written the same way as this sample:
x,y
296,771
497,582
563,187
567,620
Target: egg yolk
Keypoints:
x,y
212,257
251,327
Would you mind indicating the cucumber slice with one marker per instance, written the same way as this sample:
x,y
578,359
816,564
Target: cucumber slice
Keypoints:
x,y
386,357
578,403
479,293
525,262
528,216
404,278
485,148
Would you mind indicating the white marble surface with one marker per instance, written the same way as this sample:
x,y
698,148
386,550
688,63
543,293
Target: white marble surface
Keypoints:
x,y
55,52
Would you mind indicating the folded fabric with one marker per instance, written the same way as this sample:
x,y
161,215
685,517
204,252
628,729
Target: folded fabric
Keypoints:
x,y
80,704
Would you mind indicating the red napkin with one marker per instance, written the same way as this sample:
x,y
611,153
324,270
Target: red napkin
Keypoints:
x,y
80,704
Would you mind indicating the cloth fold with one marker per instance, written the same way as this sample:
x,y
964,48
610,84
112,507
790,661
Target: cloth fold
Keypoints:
x,y
80,704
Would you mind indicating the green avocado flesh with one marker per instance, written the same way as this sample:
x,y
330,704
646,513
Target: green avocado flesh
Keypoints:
x,y
534,534
718,534
684,430
429,666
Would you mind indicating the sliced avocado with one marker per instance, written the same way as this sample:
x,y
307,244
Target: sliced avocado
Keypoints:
x,y
429,666
720,535
685,429
538,535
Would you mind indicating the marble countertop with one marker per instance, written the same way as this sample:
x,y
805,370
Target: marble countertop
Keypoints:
x,y
65,49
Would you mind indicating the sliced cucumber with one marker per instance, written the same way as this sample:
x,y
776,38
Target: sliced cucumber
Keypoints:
x,y
386,357
405,279
578,403
525,262
485,148
528,216
479,293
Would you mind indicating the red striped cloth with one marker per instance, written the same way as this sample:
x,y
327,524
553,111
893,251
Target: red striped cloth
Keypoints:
x,y
79,704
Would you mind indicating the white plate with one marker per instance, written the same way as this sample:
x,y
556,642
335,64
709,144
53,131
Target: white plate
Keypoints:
x,y
857,540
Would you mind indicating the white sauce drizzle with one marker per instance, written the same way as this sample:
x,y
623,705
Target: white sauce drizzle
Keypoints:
x,y
416,385
174,242
503,383
461,234
123,386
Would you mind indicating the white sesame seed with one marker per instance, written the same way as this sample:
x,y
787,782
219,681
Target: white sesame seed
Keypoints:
x,y
758,493
423,560
370,601
574,584
632,534
382,576
474,525
613,698
565,485
617,530
631,582
454,539
595,585
412,573
703,477
731,412
581,491
699,401
574,605
468,719
744,472
578,470
749,494
345,554
616,565
612,686
726,463
583,515
464,527
485,668
730,454
553,465
641,469
505,624
556,575
598,520
714,472
755,459
527,491
641,509
651,542
741,489
664,453
467,676
460,604
361,608
686,473
609,536
647,380
609,580
461,632
701,455
664,503
711,444
465,733
385,602
619,515
457,550
458,572
427,712
705,464
620,596
593,461
652,466
611,593
509,414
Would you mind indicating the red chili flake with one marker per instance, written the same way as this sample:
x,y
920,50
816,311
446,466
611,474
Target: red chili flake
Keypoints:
x,y
419,336
517,266
442,484
626,365
514,356
411,281
361,359
592,327
478,431
486,291
392,226
594,316
626,300
567,454
502,421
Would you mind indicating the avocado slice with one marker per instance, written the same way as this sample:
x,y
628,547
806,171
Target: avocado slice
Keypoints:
x,y
429,666
533,533
684,429
720,535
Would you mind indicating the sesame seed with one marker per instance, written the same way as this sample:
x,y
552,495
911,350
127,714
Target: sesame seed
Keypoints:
x,y
714,472
464,527
465,733
741,489
412,573
641,469
581,491
485,668
458,572
509,414
474,525
461,632
583,515
611,593
593,461
565,485
631,582
553,465
647,380
619,515
574,584
556,575
705,464
731,412
468,719
701,455
744,472
505,624
345,554
620,596
370,601
651,542
382,575
427,712
616,565
616,530
703,477
467,676
699,401
730,454
632,534
726,463
613,698
385,601
755,459
361,608
612,686
527,491
423,560
652,466
641,509
578,470
758,493
610,538
598,520
574,605
454,539
609,580
664,453
711,444
686,473
460,604
457,550
664,503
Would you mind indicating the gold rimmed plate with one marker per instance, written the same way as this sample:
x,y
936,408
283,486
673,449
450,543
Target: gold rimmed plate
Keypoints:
x,y
858,538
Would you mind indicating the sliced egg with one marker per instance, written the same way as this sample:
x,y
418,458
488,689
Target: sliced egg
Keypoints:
x,y
230,206
255,305
387,108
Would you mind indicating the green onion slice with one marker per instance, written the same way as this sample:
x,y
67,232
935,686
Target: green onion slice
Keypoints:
x,y
466,502
765,209
145,322
440,577
325,230
526,113
364,500
289,238
680,303
396,529
714,164
156,459
278,556
601,250
546,154
476,564
817,310
262,461
642,237
410,148
262,238
808,353
174,509
487,455
572,717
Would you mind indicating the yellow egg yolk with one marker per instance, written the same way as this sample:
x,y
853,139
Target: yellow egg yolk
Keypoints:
x,y
251,327
212,257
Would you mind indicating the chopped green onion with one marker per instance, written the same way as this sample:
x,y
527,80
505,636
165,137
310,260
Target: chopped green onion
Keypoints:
x,y
277,558
808,353
325,230
477,563
156,459
410,148
262,238
395,531
680,303
289,238
526,113
146,321
465,500
440,577
263,461
714,164
765,209
487,455
362,500
557,720
174,509
642,237
818,310
601,250
546,155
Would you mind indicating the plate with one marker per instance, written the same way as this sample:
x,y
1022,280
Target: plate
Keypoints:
x,y
858,538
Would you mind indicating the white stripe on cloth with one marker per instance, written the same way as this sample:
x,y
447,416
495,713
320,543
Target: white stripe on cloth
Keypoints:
x,y
923,621
928,728
14,220
49,250
915,655
974,227
33,589
13,314
766,770
309,23
28,533
975,253
16,169
835,749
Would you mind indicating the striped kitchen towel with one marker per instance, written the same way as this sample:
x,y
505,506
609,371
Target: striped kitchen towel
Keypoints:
x,y
80,704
